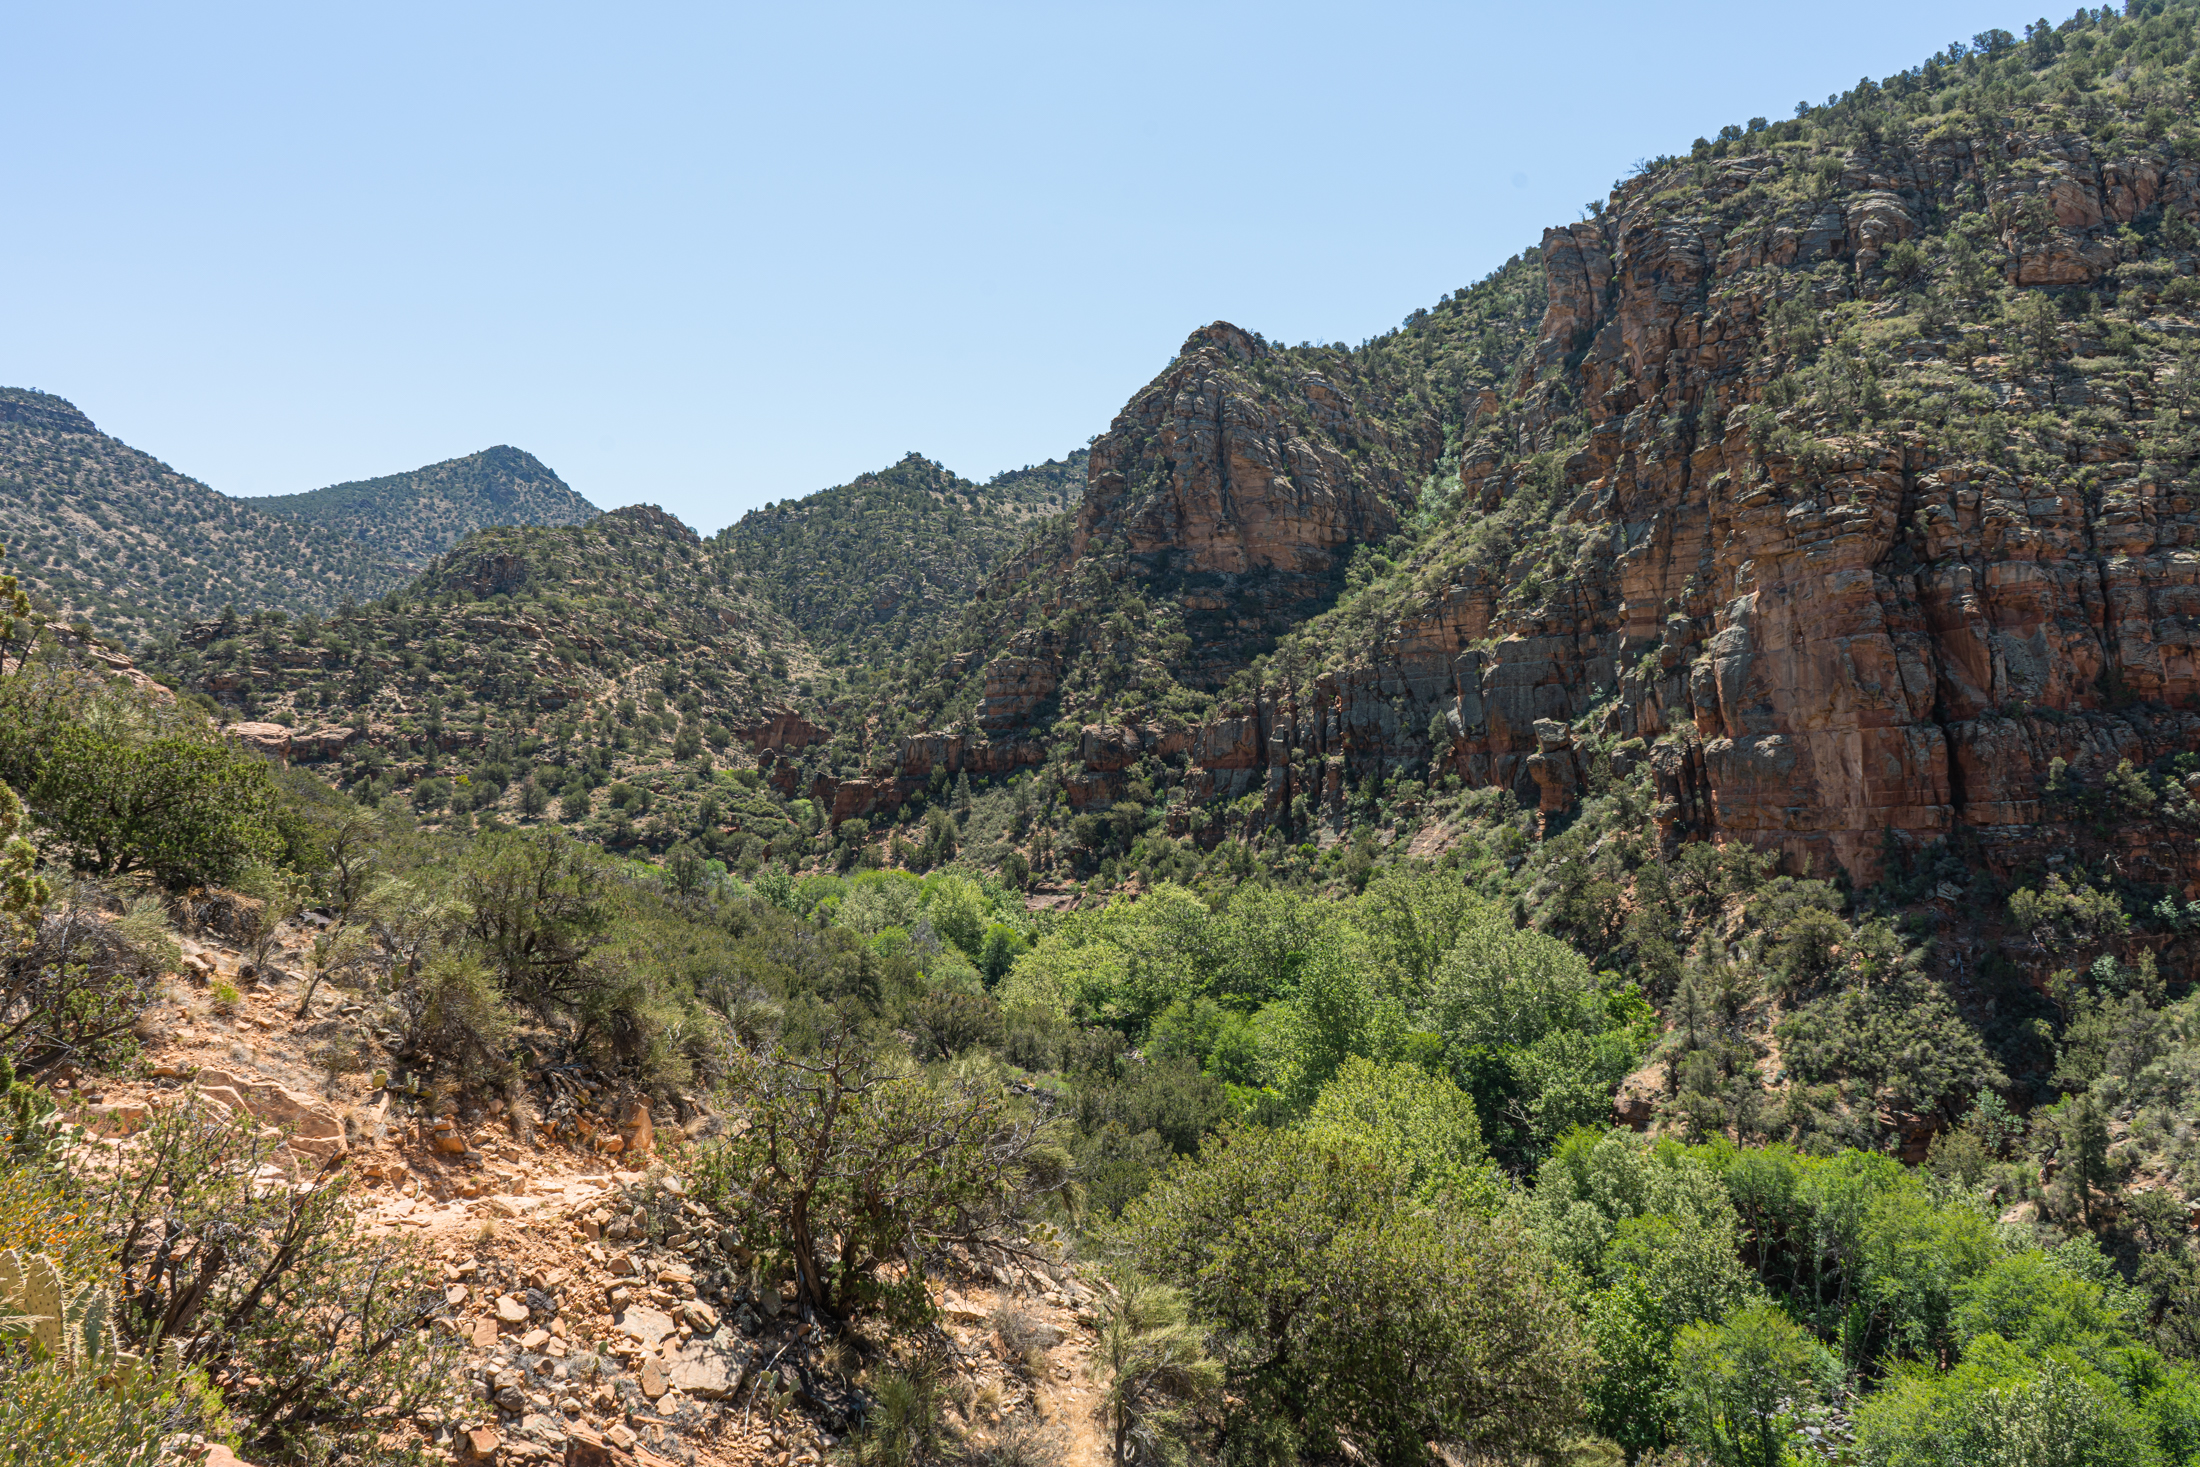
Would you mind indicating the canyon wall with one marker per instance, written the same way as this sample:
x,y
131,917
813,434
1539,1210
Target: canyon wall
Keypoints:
x,y
1891,630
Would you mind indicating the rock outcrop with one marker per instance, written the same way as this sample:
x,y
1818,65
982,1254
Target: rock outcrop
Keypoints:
x,y
1238,495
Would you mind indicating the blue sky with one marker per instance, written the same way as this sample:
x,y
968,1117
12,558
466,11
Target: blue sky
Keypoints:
x,y
713,256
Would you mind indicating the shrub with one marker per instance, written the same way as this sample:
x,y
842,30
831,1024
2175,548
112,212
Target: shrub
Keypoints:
x,y
38,1214
947,1023
311,1331
836,1145
454,1011
51,1413
1024,1336
538,911
73,989
1170,1098
1161,1386
23,892
185,806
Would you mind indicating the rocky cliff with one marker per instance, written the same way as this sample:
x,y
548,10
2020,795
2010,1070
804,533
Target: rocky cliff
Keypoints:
x,y
1845,619
1237,483
1848,466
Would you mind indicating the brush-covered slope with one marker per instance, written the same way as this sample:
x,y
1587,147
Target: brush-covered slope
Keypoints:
x,y
97,529
892,557
415,516
557,660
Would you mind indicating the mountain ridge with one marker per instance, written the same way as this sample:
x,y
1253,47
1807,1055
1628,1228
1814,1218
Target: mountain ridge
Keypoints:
x,y
422,512
107,533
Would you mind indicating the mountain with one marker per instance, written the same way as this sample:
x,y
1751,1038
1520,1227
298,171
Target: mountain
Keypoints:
x,y
1838,475
866,567
1675,771
102,531
1842,470
415,516
569,657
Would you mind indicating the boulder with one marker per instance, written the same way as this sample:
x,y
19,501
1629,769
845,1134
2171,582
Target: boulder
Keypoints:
x,y
271,739
640,1136
587,1447
707,1369
313,1129
647,1325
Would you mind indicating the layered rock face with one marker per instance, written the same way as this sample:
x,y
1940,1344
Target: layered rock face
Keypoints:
x,y
1885,628
1234,483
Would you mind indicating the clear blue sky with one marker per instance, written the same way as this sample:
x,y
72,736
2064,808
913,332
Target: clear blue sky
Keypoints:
x,y
711,256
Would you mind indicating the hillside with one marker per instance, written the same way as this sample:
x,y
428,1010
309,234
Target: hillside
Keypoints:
x,y
415,516
870,566
1828,494
1241,493
529,664
100,530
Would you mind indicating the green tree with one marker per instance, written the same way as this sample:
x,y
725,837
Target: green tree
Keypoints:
x,y
1419,1124
537,911
999,952
23,892
842,1167
186,807
956,908
2001,1406
1743,1382
1413,919
1346,1309
2080,1128
686,872
1158,1380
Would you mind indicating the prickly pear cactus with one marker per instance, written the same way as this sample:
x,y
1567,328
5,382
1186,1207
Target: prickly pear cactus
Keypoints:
x,y
72,1324
31,1294
88,1325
